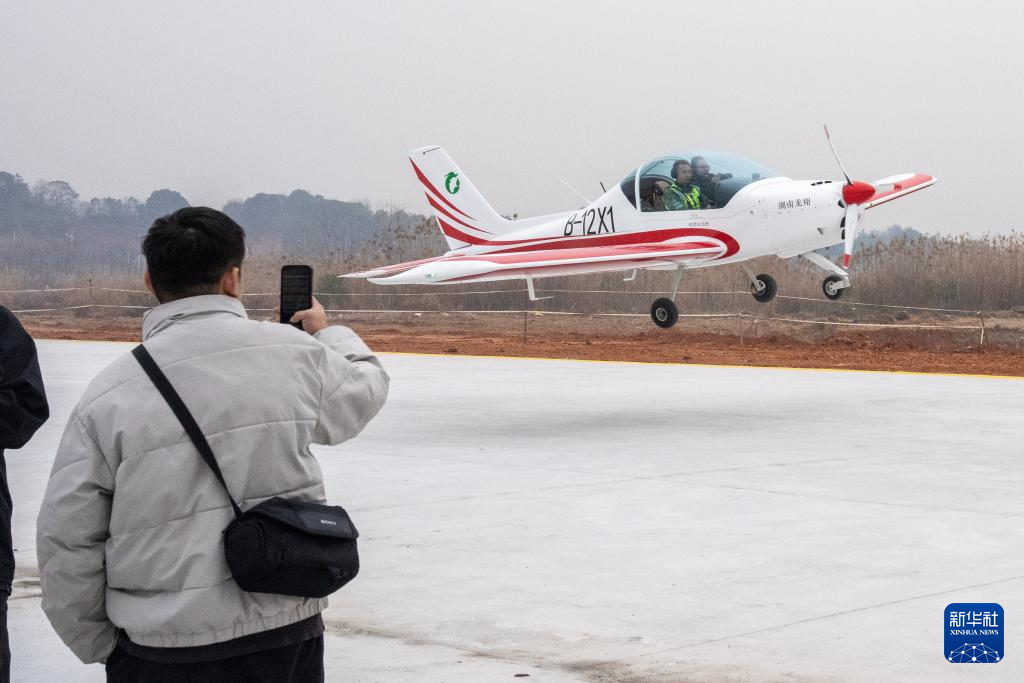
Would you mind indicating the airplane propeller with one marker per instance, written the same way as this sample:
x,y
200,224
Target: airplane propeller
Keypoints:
x,y
855,193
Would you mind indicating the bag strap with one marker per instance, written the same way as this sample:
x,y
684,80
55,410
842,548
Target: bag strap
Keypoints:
x,y
166,390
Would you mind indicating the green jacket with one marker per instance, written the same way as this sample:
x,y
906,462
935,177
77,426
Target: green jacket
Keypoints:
x,y
678,198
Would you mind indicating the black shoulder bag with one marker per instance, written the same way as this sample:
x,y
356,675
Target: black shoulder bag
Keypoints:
x,y
279,546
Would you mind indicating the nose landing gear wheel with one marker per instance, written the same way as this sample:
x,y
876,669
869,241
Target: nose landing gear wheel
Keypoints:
x,y
829,286
767,292
664,313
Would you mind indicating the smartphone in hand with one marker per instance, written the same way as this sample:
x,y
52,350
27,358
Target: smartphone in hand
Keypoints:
x,y
296,291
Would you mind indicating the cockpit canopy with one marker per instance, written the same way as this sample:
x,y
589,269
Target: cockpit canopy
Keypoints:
x,y
718,176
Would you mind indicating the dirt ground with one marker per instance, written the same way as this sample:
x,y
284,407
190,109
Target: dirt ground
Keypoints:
x,y
742,342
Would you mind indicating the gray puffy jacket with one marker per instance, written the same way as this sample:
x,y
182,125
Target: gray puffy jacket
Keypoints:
x,y
129,534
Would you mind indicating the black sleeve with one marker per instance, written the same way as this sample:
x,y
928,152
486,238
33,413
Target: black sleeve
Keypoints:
x,y
23,407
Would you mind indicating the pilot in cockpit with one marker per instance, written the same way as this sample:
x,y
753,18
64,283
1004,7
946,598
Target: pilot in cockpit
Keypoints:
x,y
682,194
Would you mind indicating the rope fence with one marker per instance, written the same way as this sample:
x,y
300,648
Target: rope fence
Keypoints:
x,y
520,291
980,327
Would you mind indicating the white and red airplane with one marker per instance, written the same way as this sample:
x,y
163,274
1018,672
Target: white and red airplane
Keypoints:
x,y
751,211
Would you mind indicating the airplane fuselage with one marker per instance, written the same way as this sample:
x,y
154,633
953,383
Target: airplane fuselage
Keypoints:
x,y
774,216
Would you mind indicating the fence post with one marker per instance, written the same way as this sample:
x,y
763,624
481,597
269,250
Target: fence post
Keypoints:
x,y
981,314
524,315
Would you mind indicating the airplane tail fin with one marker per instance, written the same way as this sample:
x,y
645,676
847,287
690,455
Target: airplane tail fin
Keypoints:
x,y
462,213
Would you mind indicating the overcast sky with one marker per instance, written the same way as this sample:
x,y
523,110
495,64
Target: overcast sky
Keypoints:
x,y
223,100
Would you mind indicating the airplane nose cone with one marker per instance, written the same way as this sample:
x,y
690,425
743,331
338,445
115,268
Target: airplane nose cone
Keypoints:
x,y
858,192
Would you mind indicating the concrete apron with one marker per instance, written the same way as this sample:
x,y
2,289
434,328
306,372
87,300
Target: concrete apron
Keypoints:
x,y
615,521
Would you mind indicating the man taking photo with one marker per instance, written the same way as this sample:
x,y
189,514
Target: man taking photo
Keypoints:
x,y
130,541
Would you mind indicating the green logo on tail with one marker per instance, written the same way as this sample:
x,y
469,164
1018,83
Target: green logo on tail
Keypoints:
x,y
451,182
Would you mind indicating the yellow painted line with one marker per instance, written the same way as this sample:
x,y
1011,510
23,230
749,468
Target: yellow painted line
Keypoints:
x,y
701,365
88,341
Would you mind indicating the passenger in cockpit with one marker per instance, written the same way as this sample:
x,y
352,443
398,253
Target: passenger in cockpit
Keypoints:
x,y
682,194
703,178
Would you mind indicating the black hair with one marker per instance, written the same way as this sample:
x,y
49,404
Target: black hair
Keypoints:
x,y
675,166
189,251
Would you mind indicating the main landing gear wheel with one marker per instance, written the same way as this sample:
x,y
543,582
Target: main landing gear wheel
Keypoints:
x,y
767,292
832,286
664,313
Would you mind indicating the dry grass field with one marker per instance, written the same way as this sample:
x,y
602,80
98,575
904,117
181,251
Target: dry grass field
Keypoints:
x,y
959,297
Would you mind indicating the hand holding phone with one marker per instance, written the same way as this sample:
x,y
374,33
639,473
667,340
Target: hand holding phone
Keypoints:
x,y
296,292
312,320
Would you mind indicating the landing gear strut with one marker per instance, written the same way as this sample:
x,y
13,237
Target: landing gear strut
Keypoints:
x,y
763,287
833,285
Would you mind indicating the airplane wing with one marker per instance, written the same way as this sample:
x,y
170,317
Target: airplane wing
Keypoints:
x,y
541,262
896,186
